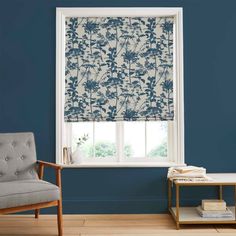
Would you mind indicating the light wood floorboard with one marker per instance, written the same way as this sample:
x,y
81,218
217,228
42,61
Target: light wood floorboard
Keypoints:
x,y
106,225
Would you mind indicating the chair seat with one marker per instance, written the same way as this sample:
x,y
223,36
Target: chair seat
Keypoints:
x,y
27,192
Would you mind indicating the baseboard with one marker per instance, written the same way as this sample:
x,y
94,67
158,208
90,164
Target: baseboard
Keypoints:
x,y
117,206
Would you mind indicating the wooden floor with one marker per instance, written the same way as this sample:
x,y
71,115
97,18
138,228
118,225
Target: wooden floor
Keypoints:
x,y
104,225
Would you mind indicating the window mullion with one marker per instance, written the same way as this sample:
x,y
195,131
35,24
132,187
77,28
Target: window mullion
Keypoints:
x,y
93,139
119,141
122,141
67,139
70,135
171,141
145,140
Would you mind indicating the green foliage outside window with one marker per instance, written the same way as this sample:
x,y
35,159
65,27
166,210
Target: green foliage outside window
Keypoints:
x,y
108,149
159,151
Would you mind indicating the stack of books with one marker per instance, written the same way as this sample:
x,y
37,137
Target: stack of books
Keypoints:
x,y
213,205
212,208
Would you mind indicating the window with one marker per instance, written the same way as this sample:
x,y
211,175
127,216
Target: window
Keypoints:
x,y
122,143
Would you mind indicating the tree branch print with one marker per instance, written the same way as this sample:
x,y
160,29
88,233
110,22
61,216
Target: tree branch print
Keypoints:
x,y
119,68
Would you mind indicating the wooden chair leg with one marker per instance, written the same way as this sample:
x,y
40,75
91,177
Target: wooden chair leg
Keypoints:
x,y
36,213
59,218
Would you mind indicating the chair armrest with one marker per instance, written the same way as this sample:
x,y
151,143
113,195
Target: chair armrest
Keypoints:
x,y
49,164
53,165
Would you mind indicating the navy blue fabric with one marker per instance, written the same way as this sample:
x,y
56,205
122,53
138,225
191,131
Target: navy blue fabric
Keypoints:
x,y
27,100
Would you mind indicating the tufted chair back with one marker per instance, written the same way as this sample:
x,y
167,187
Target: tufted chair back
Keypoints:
x,y
17,157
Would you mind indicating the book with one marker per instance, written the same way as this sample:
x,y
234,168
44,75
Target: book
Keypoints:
x,y
213,205
214,214
69,155
66,155
65,158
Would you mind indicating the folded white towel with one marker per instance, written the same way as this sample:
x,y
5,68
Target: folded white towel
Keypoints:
x,y
187,173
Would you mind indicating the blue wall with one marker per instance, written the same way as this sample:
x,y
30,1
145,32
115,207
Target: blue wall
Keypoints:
x,y
27,100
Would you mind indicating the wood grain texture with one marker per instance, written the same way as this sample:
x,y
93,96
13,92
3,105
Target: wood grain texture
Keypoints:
x,y
28,207
49,164
104,225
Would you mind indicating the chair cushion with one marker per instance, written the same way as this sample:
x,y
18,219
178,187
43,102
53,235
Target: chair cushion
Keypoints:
x,y
17,156
26,192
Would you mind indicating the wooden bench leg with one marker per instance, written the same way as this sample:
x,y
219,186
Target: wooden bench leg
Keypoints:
x,y
177,226
59,218
36,213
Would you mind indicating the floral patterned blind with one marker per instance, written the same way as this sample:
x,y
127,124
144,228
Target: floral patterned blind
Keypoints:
x,y
119,68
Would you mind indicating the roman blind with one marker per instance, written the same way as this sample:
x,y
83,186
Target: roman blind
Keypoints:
x,y
119,68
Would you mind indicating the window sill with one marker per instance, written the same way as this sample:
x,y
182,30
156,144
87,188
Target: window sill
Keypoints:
x,y
122,165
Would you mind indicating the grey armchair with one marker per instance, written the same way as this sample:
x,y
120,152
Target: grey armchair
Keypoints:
x,y
21,184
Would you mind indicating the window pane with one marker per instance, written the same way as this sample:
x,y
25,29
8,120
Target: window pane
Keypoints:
x,y
105,139
134,139
103,145
157,139
82,138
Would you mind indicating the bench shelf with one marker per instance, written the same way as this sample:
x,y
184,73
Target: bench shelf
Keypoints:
x,y
189,215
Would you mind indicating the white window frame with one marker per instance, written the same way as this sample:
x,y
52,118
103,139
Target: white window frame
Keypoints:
x,y
119,141
175,128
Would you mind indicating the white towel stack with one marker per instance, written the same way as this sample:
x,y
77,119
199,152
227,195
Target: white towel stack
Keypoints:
x,y
188,173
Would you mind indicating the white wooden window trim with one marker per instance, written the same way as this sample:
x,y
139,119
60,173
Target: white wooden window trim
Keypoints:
x,y
175,128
